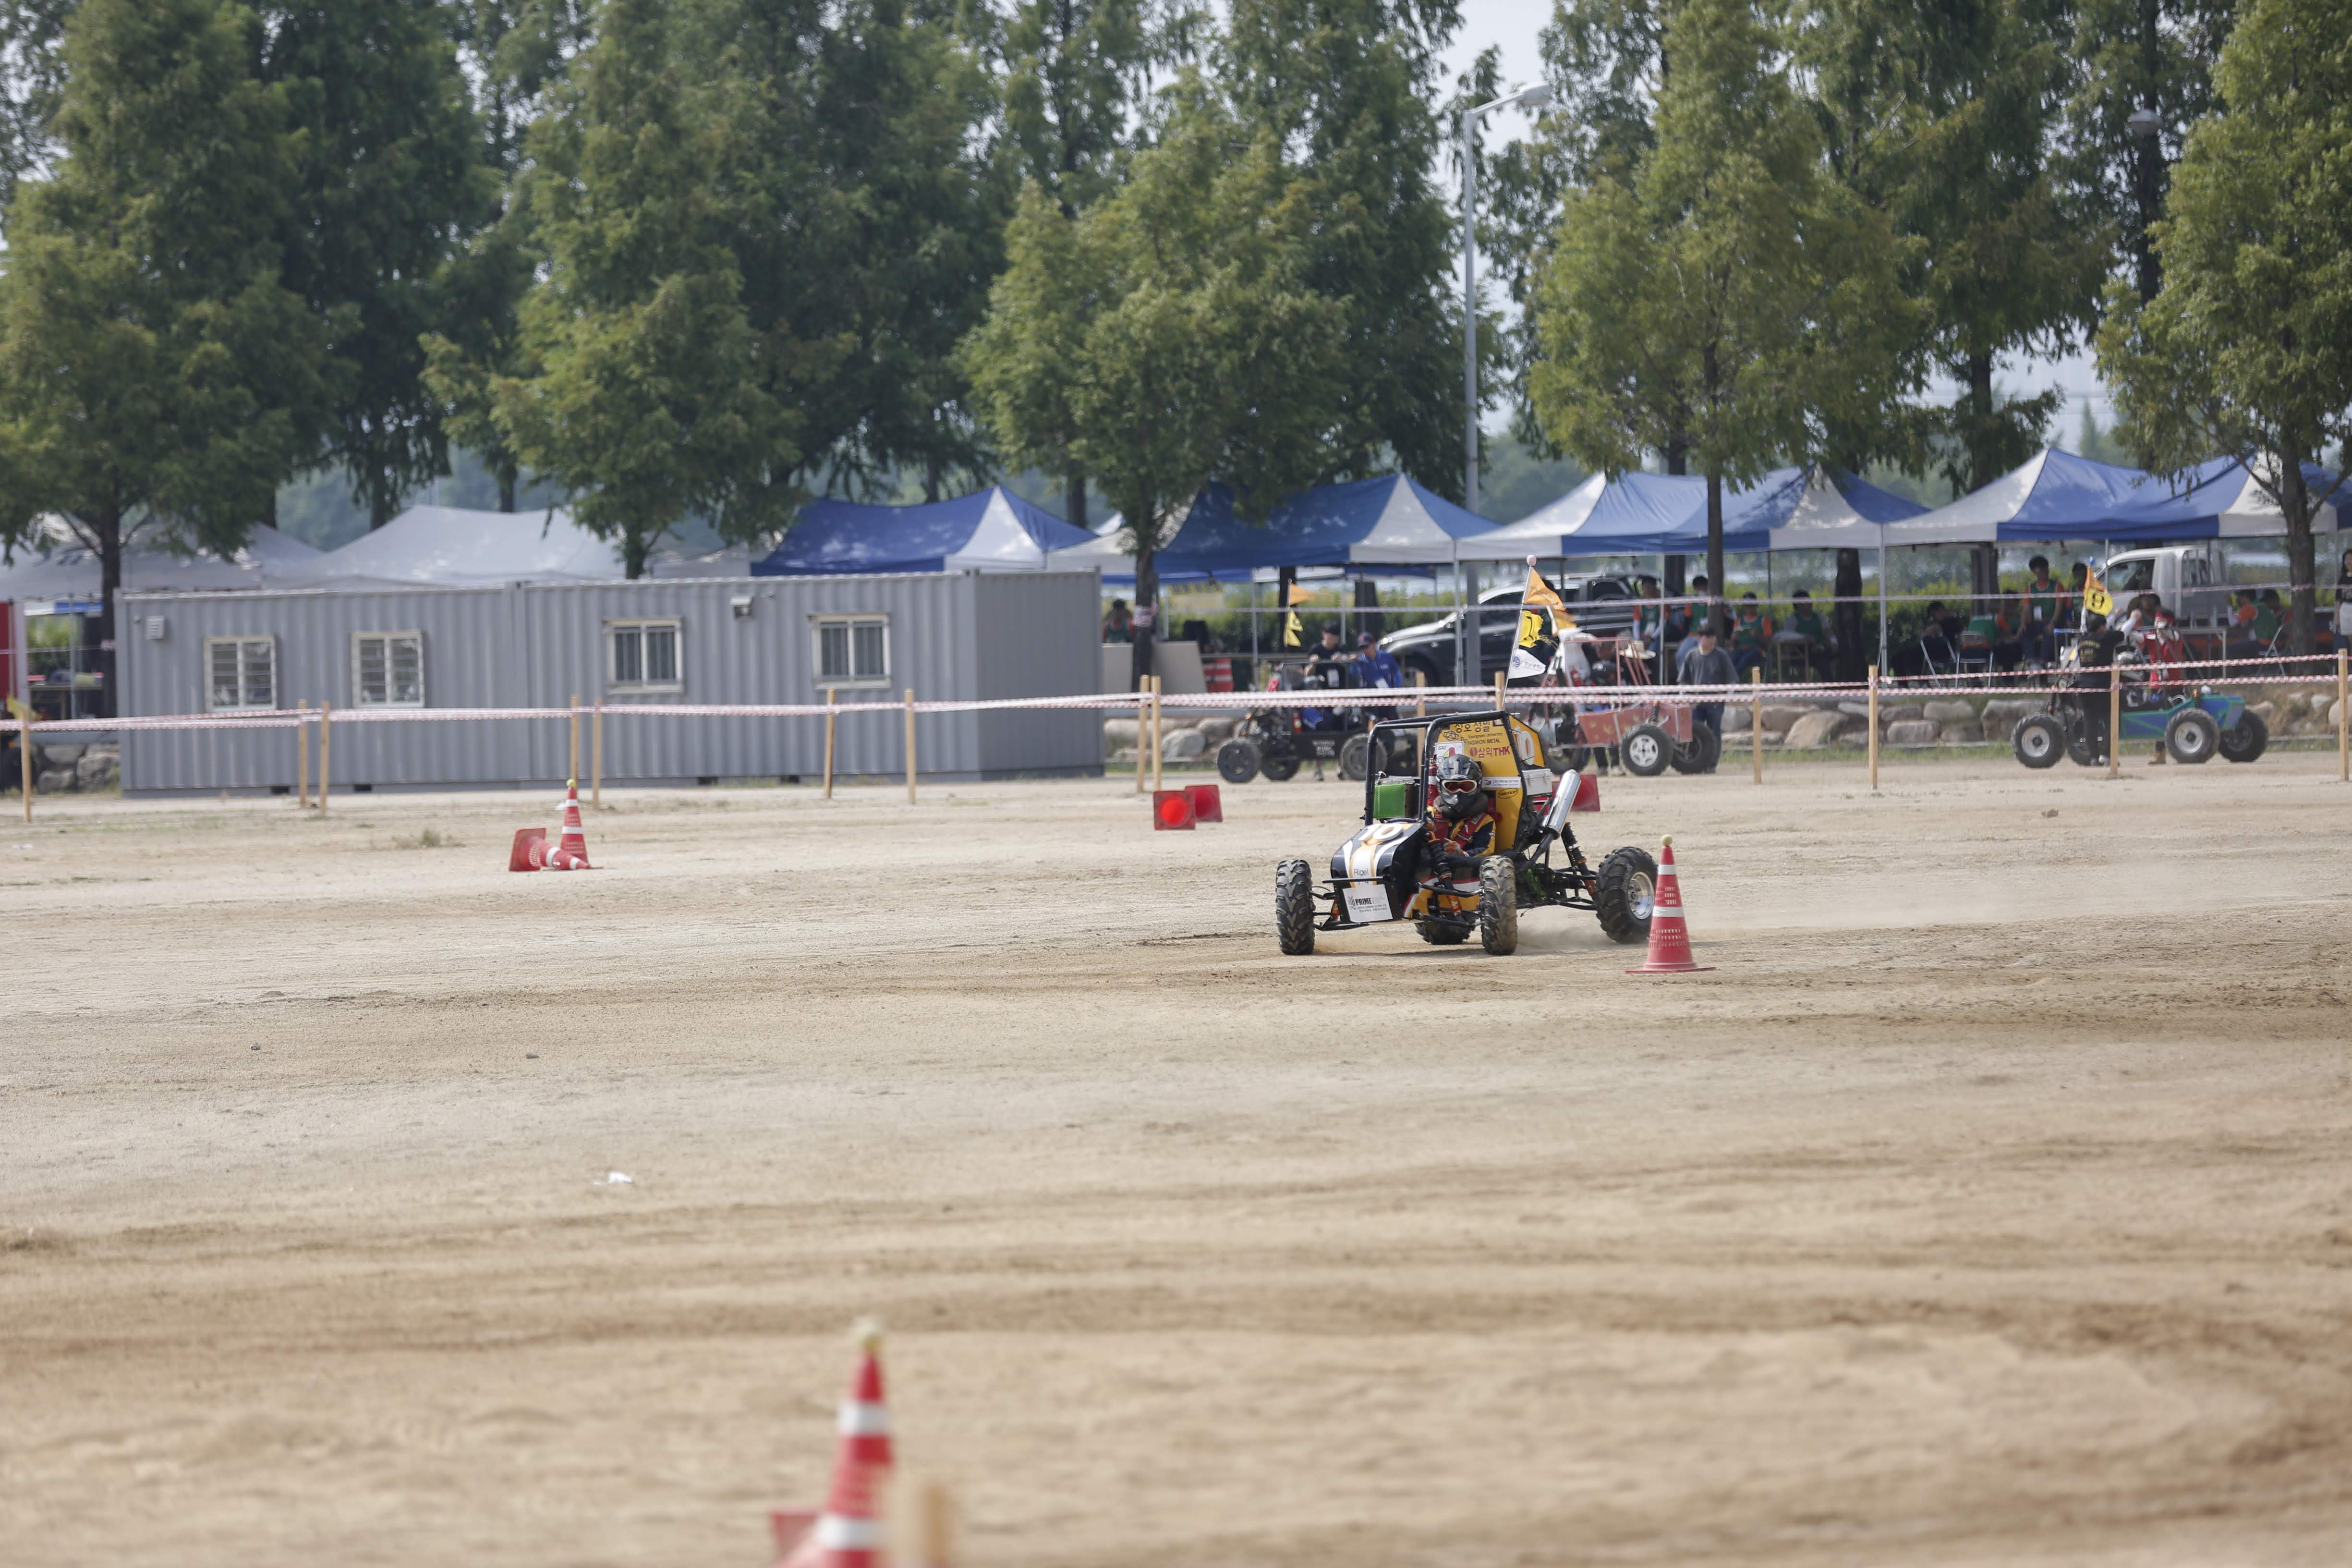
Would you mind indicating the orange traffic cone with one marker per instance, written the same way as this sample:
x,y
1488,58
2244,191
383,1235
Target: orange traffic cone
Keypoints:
x,y
572,853
528,852
1670,948
848,1533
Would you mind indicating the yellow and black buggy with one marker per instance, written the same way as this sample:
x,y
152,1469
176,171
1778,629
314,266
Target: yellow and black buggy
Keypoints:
x,y
1384,873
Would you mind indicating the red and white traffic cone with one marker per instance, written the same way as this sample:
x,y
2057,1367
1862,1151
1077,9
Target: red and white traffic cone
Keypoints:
x,y
848,1533
1670,948
570,854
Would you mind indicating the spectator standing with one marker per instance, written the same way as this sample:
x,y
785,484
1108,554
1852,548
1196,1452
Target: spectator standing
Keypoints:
x,y
1704,664
2045,602
2012,618
1119,625
1379,666
2268,618
1699,611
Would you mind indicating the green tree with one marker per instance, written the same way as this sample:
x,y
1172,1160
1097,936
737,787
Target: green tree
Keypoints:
x,y
1177,318
1942,115
157,380
2151,58
1075,75
389,181
645,397
1731,293
1347,90
514,54
32,84
2247,347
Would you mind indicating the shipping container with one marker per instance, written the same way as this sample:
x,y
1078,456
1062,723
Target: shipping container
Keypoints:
x,y
764,640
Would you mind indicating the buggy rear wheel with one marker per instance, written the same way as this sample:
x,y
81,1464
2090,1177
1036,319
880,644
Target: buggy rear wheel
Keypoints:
x,y
2247,739
1278,760
2192,736
1293,907
1356,757
1237,760
1624,893
1645,750
1705,750
2038,741
1498,905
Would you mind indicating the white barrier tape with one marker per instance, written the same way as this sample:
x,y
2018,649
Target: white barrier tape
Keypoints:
x,y
1375,697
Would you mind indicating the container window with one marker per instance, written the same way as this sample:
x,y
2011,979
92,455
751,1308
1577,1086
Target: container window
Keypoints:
x,y
242,672
388,669
853,650
641,656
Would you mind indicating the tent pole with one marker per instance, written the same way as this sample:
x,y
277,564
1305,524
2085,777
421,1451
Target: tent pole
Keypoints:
x,y
1881,603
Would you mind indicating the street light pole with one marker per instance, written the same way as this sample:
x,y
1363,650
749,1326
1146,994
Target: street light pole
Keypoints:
x,y
1465,639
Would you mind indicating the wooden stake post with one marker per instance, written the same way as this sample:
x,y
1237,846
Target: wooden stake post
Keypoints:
x,y
1158,733
572,773
326,751
1421,691
303,757
1874,726
829,695
1755,720
1502,680
2343,734
911,745
1142,734
596,757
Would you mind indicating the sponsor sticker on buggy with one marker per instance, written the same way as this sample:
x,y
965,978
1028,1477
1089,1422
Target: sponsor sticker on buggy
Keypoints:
x,y
1367,902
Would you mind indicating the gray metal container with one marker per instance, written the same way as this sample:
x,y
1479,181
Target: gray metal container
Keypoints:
x,y
950,636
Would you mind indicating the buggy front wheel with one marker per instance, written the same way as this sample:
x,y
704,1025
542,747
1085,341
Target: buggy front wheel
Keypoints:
x,y
2192,736
1237,760
2038,741
1624,893
1498,905
1356,758
1293,907
1645,750
1705,750
1278,762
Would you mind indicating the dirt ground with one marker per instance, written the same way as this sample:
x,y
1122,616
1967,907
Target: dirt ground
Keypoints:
x,y
1991,1202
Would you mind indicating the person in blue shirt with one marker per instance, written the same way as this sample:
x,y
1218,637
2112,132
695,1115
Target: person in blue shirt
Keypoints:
x,y
1379,666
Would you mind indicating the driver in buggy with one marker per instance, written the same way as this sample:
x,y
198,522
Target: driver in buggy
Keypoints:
x,y
1460,820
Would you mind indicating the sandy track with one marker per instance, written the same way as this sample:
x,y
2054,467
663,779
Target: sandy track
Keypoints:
x,y
1990,1203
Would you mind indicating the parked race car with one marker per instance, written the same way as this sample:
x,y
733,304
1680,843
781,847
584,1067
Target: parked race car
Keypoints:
x,y
1647,738
1389,871
1276,741
2193,724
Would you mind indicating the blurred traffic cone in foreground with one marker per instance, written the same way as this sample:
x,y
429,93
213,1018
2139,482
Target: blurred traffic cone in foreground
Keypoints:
x,y
848,1533
1670,948
572,853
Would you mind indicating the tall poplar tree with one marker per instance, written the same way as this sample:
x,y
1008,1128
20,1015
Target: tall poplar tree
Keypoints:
x,y
1730,292
646,398
1349,90
157,379
389,182
1075,75
1176,319
2247,347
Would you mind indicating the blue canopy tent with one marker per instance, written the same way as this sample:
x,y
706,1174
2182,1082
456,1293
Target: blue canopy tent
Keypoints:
x,y
2054,495
989,531
1387,521
2216,499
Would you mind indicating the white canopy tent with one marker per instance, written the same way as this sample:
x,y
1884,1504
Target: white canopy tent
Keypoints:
x,y
59,568
1541,533
455,545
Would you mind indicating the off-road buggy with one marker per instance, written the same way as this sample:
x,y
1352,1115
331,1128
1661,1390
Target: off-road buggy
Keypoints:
x,y
1385,871
2193,724
1276,741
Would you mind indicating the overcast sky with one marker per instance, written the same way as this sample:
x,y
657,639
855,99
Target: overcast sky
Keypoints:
x,y
1511,25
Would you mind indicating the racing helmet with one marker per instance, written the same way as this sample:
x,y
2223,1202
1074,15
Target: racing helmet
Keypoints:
x,y
1459,780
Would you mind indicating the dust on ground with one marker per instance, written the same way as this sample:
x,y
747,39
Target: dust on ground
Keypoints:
x,y
1989,1203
